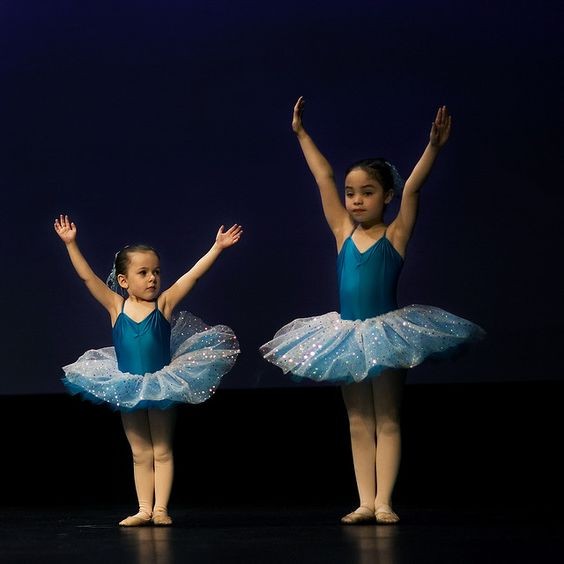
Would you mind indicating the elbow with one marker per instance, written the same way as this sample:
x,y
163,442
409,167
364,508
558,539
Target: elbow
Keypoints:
x,y
410,189
192,281
324,177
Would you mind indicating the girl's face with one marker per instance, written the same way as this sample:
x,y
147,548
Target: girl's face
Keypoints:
x,y
143,278
365,198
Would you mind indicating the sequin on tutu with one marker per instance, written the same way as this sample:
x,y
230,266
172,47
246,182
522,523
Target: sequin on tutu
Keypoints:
x,y
201,355
327,348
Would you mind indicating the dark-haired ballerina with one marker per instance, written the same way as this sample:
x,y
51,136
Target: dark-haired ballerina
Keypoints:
x,y
369,344
154,365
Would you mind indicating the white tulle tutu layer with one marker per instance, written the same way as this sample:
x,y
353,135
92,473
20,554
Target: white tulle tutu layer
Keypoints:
x,y
327,348
201,355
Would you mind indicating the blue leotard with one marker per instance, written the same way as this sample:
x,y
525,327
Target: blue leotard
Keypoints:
x,y
144,346
368,281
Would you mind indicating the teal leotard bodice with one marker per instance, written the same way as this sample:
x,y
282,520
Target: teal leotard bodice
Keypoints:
x,y
142,347
368,281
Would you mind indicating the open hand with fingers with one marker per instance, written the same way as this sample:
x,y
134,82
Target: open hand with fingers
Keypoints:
x,y
225,239
440,130
65,229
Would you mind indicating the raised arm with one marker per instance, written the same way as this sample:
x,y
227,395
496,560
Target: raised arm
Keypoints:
x,y
67,231
178,291
335,213
403,225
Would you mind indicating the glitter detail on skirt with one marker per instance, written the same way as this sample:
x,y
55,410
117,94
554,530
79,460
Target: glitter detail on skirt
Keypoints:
x,y
327,348
201,355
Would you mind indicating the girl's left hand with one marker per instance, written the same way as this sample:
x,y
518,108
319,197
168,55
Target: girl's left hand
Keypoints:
x,y
440,129
225,239
65,229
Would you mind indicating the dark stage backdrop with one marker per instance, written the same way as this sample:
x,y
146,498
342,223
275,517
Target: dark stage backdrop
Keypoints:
x,y
159,121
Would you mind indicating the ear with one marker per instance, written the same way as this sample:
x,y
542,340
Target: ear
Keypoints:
x,y
389,196
122,281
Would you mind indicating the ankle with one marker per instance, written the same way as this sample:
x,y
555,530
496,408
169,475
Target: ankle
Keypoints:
x,y
144,513
365,508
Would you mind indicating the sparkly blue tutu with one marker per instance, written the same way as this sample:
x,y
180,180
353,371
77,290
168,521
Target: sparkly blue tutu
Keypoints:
x,y
201,355
327,348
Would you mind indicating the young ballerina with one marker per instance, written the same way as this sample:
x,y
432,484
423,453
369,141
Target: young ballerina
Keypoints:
x,y
153,366
368,346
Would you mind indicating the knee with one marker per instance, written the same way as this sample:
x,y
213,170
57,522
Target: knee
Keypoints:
x,y
142,455
162,454
361,426
388,426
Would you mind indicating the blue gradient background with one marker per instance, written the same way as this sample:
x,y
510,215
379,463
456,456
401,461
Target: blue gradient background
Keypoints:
x,y
159,121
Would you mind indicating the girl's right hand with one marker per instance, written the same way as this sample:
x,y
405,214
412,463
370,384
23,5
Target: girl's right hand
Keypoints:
x,y
65,229
297,125
440,130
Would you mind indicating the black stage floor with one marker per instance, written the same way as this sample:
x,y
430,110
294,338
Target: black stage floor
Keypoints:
x,y
264,475
274,535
